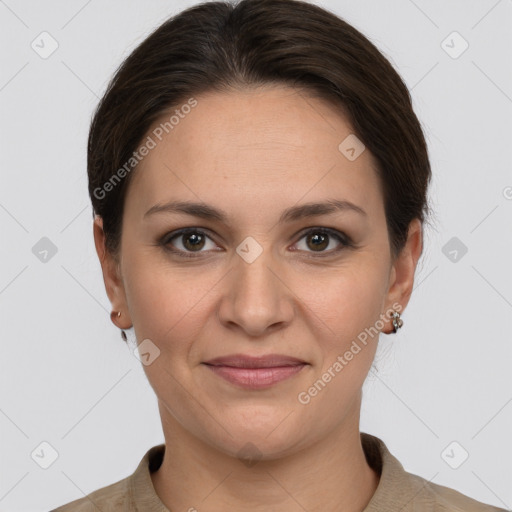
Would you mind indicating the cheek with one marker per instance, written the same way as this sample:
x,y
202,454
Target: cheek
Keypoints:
x,y
346,300
351,309
349,303
167,305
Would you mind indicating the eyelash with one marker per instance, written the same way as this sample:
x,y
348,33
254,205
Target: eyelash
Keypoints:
x,y
344,240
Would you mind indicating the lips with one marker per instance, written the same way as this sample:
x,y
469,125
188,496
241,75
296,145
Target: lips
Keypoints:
x,y
266,361
255,372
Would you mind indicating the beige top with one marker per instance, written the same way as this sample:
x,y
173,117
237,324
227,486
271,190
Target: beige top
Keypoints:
x,y
398,490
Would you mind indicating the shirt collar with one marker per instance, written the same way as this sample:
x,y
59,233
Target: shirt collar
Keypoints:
x,y
142,493
396,489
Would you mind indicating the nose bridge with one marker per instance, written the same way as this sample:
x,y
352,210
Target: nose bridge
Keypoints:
x,y
255,277
255,285
256,298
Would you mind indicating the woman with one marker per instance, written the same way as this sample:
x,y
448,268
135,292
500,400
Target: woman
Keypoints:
x,y
259,182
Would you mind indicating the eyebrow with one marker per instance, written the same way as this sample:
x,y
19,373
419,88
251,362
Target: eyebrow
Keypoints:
x,y
291,214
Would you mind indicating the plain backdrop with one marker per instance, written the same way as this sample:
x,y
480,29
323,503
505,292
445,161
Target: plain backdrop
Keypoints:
x,y
443,388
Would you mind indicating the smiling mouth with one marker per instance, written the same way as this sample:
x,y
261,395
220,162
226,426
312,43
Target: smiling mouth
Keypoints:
x,y
255,372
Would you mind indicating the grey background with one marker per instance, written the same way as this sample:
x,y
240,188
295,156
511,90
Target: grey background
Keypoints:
x,y
66,377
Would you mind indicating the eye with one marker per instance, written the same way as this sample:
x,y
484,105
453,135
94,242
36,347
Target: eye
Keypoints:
x,y
317,240
185,241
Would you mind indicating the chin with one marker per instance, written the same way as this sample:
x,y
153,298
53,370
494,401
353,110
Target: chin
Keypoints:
x,y
267,438
257,447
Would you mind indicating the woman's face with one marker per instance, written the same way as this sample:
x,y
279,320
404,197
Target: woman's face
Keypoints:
x,y
263,275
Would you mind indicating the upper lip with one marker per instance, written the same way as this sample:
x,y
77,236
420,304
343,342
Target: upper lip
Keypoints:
x,y
245,361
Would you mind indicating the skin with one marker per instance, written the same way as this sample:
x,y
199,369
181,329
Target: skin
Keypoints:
x,y
290,300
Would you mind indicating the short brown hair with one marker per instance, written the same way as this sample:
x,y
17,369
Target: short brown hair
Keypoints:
x,y
222,45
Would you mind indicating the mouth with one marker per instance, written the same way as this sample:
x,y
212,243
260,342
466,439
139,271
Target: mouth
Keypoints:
x,y
259,372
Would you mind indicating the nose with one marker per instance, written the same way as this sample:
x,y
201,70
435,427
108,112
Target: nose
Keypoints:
x,y
257,298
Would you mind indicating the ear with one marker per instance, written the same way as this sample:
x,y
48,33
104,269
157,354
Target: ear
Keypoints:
x,y
403,270
112,278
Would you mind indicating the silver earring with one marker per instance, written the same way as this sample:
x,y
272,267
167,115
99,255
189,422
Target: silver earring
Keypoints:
x,y
397,321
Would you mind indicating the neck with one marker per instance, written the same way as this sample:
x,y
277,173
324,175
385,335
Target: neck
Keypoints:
x,y
195,475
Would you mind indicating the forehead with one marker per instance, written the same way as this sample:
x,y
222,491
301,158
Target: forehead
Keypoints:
x,y
274,142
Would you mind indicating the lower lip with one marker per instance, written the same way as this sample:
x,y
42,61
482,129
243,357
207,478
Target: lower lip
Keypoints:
x,y
256,378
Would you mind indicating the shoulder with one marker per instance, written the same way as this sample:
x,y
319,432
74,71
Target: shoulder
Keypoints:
x,y
438,498
135,492
400,490
111,497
